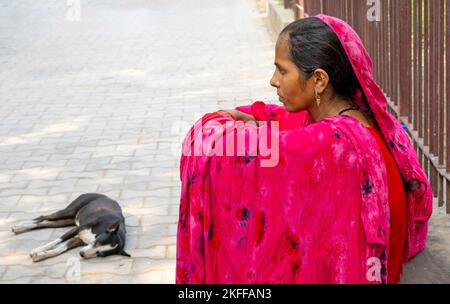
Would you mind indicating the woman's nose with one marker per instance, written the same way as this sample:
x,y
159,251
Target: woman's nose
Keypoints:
x,y
274,82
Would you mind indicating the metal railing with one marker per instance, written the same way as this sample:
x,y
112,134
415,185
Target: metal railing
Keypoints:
x,y
409,42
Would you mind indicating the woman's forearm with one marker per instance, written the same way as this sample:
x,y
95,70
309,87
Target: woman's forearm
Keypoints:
x,y
238,115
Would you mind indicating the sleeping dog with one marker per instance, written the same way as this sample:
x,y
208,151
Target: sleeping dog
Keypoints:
x,y
100,226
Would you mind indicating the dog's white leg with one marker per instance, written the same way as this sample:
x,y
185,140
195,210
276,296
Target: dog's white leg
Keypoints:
x,y
45,254
24,227
46,246
67,245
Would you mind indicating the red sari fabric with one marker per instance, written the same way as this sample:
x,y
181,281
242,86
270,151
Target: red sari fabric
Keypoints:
x,y
319,216
398,212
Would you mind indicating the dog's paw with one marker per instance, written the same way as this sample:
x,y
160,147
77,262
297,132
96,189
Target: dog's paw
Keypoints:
x,y
33,255
18,229
37,256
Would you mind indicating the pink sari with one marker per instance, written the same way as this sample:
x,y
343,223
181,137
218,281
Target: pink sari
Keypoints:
x,y
319,215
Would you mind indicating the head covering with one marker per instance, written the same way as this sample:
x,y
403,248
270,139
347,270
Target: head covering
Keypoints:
x,y
419,192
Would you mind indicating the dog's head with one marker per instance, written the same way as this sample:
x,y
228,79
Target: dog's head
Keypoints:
x,y
110,241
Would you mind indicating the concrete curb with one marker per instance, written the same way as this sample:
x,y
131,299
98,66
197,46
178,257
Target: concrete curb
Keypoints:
x,y
275,16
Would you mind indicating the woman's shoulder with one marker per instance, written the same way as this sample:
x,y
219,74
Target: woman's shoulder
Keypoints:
x,y
318,137
350,126
320,130
321,142
337,133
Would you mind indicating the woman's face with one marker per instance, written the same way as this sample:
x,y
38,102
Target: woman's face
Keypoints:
x,y
295,91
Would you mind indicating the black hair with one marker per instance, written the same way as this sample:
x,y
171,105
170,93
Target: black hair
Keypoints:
x,y
313,45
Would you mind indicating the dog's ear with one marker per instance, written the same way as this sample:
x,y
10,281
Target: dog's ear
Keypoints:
x,y
122,252
114,227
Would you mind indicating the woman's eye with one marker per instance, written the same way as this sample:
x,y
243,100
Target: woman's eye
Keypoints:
x,y
282,72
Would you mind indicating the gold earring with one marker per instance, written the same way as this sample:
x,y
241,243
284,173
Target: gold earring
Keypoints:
x,y
318,99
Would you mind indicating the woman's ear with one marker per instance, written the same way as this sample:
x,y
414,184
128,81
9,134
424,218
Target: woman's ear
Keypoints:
x,y
321,80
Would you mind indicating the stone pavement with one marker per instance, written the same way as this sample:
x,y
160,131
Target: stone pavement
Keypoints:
x,y
100,103
432,265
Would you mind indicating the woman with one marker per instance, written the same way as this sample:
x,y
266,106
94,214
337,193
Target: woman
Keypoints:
x,y
346,202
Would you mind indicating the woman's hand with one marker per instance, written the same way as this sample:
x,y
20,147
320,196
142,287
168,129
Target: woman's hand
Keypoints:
x,y
238,115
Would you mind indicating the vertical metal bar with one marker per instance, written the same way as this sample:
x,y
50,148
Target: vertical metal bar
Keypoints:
x,y
397,37
415,113
358,20
346,18
377,48
433,94
440,102
433,78
426,78
447,66
386,55
434,143
394,35
339,9
381,38
372,38
300,9
347,15
389,80
351,12
420,125
393,51
405,49
366,32
441,80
